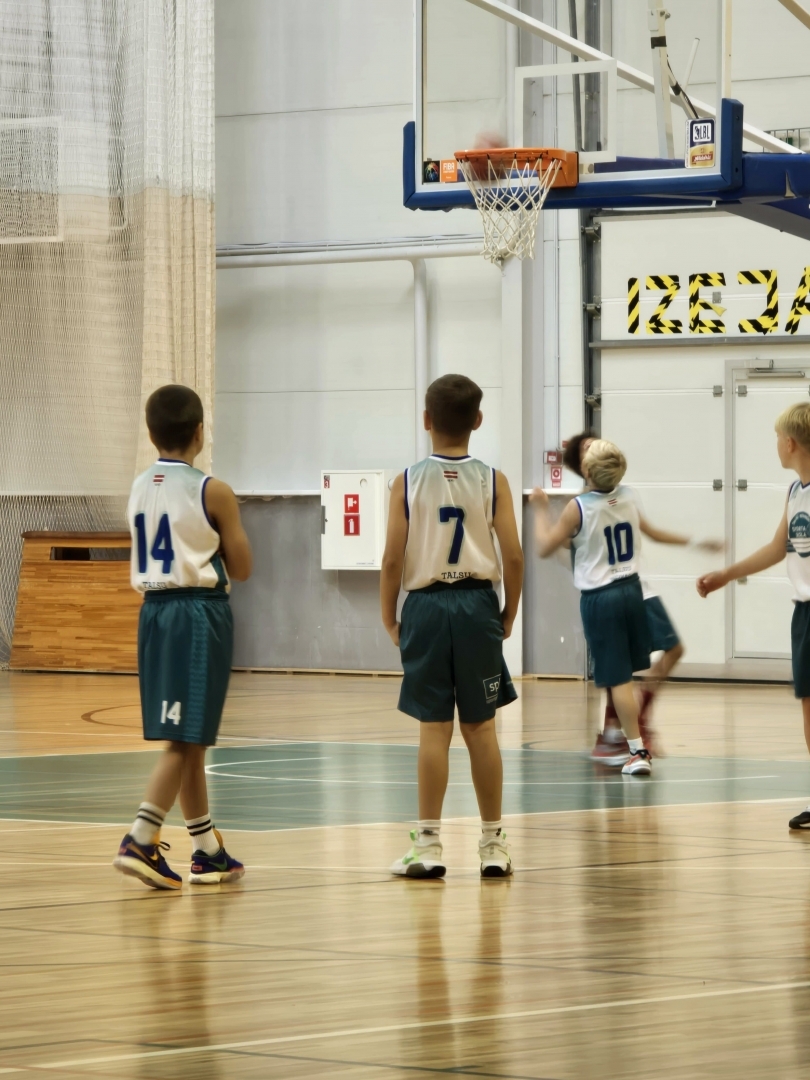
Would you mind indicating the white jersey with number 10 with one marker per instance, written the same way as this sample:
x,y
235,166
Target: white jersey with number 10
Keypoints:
x,y
174,544
606,547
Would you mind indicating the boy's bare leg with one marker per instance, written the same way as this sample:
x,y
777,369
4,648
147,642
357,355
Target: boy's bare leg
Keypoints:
x,y
164,783
806,715
433,767
486,767
193,786
666,662
624,701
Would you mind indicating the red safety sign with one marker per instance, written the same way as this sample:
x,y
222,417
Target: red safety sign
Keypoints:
x,y
351,524
351,504
556,476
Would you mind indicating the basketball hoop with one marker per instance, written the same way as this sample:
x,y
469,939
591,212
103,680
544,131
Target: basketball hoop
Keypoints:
x,y
510,185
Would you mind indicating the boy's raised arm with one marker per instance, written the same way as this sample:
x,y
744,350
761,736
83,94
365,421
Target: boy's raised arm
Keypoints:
x,y
393,558
769,555
505,526
223,510
552,535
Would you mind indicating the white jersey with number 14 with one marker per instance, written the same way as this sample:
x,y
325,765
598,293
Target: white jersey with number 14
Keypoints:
x,y
174,543
606,546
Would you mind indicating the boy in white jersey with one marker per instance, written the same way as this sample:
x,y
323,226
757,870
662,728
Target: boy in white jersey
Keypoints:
x,y
603,529
792,539
611,747
185,532
440,549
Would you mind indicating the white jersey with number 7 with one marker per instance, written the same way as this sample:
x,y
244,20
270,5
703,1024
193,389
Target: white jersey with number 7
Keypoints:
x,y
450,504
174,543
606,546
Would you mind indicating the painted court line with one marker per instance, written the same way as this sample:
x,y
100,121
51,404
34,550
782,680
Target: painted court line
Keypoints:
x,y
419,1025
598,782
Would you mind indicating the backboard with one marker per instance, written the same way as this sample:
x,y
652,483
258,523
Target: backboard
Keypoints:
x,y
632,129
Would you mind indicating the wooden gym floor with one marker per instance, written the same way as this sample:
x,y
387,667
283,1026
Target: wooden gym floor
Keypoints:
x,y
652,930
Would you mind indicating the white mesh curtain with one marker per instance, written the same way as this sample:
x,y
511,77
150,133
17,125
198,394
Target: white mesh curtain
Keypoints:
x,y
106,250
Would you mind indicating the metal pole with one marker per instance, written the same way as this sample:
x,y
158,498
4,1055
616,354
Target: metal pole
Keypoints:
x,y
572,26
593,83
421,361
657,23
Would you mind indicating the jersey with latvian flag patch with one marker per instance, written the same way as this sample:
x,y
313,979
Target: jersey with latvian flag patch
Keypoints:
x,y
605,548
174,543
450,504
798,541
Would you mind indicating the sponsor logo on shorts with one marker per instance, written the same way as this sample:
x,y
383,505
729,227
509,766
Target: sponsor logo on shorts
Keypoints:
x,y
491,688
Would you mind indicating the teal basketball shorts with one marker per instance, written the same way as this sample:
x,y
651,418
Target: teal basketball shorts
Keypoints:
x,y
800,648
663,635
617,631
185,649
451,642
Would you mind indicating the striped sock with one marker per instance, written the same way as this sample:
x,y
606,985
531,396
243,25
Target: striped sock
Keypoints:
x,y
203,837
147,823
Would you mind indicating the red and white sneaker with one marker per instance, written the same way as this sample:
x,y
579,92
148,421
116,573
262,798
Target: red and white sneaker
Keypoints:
x,y
652,743
610,753
640,764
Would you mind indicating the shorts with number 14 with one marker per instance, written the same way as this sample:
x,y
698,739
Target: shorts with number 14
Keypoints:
x,y
185,650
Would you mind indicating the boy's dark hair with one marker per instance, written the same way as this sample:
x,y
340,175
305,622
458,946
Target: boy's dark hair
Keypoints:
x,y
572,454
452,403
173,414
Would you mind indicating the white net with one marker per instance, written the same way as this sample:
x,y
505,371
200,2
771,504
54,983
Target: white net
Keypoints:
x,y
106,250
510,195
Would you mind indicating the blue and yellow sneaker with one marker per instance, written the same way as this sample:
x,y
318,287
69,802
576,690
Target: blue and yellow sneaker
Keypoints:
x,y
145,861
213,869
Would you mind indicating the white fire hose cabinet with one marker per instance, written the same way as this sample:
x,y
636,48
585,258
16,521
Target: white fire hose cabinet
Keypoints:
x,y
354,516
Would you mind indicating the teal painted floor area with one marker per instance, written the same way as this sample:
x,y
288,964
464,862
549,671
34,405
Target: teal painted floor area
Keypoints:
x,y
300,785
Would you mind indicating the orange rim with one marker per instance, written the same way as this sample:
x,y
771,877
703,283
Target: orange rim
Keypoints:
x,y
505,157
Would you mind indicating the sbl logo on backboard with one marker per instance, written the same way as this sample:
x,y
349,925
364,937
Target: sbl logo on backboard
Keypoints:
x,y
766,322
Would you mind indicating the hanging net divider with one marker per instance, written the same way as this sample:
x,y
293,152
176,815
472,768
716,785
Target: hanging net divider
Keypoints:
x,y
510,186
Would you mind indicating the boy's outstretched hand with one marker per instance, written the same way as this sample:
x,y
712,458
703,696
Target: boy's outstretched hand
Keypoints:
x,y
709,583
539,497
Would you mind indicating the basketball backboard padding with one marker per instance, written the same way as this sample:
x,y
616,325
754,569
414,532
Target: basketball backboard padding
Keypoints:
x,y
773,189
661,183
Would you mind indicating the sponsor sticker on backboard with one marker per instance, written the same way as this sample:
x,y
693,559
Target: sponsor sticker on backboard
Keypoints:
x,y
701,152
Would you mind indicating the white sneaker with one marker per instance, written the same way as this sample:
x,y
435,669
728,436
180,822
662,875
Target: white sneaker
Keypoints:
x,y
640,764
495,858
422,861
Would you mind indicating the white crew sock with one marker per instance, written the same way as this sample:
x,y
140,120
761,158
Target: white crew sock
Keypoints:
x,y
428,832
613,734
491,830
635,745
203,837
147,824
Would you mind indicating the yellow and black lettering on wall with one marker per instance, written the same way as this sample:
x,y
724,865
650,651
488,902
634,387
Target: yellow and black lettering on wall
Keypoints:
x,y
697,304
633,305
670,285
768,321
799,306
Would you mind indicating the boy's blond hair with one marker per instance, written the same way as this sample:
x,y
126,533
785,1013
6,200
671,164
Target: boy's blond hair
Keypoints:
x,y
604,465
795,422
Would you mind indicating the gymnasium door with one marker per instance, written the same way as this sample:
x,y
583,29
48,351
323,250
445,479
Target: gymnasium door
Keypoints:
x,y
761,604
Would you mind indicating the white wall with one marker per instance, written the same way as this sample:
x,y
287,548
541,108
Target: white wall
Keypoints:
x,y
658,402
315,365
